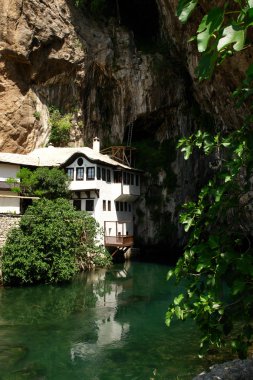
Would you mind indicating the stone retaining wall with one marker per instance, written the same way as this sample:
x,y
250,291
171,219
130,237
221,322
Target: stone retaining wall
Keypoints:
x,y
7,222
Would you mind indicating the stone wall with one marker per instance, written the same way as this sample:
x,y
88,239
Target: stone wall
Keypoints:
x,y
7,222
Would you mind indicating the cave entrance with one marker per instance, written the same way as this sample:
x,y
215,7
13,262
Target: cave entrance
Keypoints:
x,y
142,17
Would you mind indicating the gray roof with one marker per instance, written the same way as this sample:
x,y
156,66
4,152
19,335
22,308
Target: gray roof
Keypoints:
x,y
52,156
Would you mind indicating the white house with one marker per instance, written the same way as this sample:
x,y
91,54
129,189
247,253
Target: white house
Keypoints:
x,y
105,187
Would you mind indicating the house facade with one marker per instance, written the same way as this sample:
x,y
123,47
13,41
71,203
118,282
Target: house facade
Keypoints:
x,y
105,188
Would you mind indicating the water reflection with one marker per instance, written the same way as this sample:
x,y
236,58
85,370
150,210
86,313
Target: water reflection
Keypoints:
x,y
105,325
105,293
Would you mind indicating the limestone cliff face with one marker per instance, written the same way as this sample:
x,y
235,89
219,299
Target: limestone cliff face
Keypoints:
x,y
41,63
52,54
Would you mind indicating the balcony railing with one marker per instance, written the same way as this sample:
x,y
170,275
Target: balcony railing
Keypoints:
x,y
119,241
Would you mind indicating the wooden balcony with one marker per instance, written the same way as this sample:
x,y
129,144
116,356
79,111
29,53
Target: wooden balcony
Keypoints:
x,y
119,241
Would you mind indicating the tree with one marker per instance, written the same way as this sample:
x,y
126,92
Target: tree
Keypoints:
x,y
51,242
217,265
60,127
51,183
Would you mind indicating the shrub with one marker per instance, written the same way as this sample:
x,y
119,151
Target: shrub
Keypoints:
x,y
49,244
48,183
60,127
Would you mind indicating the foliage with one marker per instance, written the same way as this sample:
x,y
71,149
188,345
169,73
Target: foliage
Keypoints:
x,y
49,243
217,265
43,182
36,115
221,32
60,127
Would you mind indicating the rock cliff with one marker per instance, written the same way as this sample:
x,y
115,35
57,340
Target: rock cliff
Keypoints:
x,y
126,70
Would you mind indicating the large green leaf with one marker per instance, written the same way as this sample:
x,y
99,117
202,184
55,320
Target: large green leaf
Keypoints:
x,y
248,19
209,24
232,35
206,65
185,8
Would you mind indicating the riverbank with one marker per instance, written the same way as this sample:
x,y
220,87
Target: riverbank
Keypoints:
x,y
233,370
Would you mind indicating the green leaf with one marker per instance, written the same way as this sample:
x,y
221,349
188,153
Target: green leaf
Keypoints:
x,y
178,299
187,150
248,20
232,35
209,24
214,241
188,224
228,178
206,65
170,274
179,312
226,144
238,287
185,9
218,194
200,267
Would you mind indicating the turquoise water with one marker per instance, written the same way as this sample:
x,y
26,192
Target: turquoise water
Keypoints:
x,y
105,325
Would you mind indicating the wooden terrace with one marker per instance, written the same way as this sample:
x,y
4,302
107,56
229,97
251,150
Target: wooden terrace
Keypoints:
x,y
119,241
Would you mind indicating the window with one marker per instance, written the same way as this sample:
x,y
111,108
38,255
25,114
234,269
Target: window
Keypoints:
x,y
89,205
128,178
121,206
98,172
70,173
132,179
104,205
108,175
129,207
80,161
79,174
124,178
117,206
103,174
117,176
137,180
90,173
77,204
109,206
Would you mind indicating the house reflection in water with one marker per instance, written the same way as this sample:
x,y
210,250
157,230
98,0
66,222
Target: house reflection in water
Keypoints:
x,y
108,330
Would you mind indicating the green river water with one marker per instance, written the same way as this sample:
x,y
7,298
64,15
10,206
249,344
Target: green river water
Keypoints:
x,y
105,325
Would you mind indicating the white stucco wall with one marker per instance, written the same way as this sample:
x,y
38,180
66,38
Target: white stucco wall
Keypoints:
x,y
9,205
8,171
108,192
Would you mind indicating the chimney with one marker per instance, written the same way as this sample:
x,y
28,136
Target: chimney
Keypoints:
x,y
96,144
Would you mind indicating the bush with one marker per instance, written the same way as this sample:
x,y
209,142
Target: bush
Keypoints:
x,y
49,244
60,127
51,183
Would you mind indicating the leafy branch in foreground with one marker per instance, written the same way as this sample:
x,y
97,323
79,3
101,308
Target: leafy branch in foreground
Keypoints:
x,y
217,265
221,32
